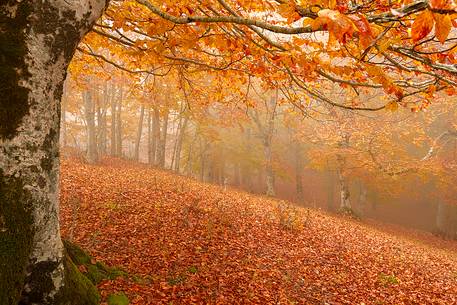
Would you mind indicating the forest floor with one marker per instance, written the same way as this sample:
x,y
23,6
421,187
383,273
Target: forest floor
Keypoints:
x,y
185,242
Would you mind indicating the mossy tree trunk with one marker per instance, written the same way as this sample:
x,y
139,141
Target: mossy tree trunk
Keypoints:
x,y
37,41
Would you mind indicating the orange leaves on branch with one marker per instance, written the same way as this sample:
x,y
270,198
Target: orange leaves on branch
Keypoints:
x,y
342,27
424,22
339,26
422,25
392,106
378,75
366,35
443,4
443,25
288,11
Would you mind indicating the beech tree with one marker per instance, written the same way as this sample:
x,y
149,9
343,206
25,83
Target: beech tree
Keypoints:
x,y
37,42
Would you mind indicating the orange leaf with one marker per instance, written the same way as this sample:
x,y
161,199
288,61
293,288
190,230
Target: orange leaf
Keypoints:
x,y
337,24
364,29
422,26
442,27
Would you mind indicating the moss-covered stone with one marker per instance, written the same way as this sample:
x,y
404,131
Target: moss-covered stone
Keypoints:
x,y
118,299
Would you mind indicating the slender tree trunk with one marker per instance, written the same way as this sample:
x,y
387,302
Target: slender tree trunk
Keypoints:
x,y
163,141
330,191
102,125
246,166
236,174
175,146
151,152
203,157
269,173
182,132
221,166
156,136
119,123
345,200
92,156
189,167
113,120
139,133
441,219
363,194
37,42
299,171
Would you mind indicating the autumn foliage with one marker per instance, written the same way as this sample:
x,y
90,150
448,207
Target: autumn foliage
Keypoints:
x,y
185,242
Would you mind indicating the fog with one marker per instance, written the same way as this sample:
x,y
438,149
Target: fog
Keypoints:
x,y
393,166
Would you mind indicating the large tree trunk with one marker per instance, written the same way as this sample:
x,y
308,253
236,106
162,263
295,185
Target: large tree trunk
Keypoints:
x,y
37,42
139,133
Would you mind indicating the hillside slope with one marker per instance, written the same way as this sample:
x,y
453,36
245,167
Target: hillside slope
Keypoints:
x,y
185,242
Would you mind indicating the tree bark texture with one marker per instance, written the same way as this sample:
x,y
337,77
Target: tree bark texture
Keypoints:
x,y
37,42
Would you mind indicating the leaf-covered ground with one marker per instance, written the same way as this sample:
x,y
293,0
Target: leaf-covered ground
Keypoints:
x,y
185,242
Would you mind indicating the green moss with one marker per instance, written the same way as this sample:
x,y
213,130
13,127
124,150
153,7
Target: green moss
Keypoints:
x,y
193,269
118,299
388,279
77,255
176,280
78,288
95,275
96,272
16,235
